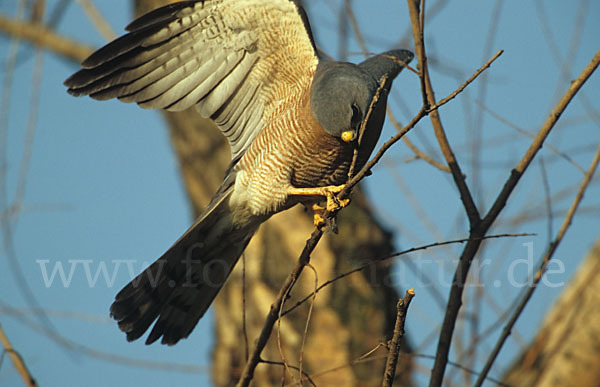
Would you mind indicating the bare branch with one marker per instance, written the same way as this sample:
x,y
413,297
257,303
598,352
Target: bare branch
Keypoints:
x,y
310,311
394,350
97,19
440,134
530,135
418,153
273,314
378,260
468,81
17,360
45,38
538,142
466,258
291,366
541,270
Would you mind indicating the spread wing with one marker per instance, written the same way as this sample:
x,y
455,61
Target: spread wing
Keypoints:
x,y
235,60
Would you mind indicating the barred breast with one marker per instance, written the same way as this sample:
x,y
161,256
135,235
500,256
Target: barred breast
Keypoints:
x,y
292,150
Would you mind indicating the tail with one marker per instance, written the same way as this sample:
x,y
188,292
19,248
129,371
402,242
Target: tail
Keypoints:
x,y
180,286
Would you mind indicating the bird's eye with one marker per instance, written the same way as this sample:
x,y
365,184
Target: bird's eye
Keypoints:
x,y
356,117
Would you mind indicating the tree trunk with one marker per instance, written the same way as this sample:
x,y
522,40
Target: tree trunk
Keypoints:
x,y
349,318
566,351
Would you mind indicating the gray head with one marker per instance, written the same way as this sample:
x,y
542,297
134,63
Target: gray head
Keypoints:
x,y
340,97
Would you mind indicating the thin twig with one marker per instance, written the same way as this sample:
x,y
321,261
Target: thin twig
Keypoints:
x,y
12,55
109,357
45,38
369,358
9,213
418,37
468,81
466,258
17,360
442,102
477,123
547,199
538,142
486,332
355,28
388,257
459,366
418,153
343,33
541,269
394,350
440,134
291,366
360,360
32,119
310,310
244,318
286,368
363,124
551,147
273,314
97,19
365,170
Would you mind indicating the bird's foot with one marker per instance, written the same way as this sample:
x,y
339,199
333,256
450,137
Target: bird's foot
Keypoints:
x,y
322,220
329,192
333,202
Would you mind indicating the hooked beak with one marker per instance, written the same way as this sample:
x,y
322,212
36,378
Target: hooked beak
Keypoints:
x,y
348,135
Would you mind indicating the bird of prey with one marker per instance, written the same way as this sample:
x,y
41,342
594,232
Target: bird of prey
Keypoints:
x,y
292,121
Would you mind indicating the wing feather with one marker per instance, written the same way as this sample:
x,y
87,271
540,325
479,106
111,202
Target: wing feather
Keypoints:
x,y
191,77
159,15
217,98
234,60
217,82
133,64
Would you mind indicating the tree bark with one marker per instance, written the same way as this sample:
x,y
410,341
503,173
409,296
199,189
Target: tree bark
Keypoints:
x,y
566,350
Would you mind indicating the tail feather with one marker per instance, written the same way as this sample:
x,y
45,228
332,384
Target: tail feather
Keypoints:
x,y
178,288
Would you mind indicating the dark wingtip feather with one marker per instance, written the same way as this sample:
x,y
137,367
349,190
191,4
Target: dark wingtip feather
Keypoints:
x,y
129,41
158,15
156,332
77,83
119,46
106,61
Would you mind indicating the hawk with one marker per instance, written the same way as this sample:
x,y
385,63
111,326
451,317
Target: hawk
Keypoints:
x,y
292,121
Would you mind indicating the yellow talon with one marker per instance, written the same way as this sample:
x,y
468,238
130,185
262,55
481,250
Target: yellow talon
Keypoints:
x,y
317,207
334,204
318,220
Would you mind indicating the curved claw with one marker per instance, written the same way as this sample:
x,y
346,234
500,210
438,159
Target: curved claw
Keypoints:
x,y
319,221
335,204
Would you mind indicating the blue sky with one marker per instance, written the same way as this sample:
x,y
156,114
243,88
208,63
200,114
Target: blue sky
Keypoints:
x,y
103,185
